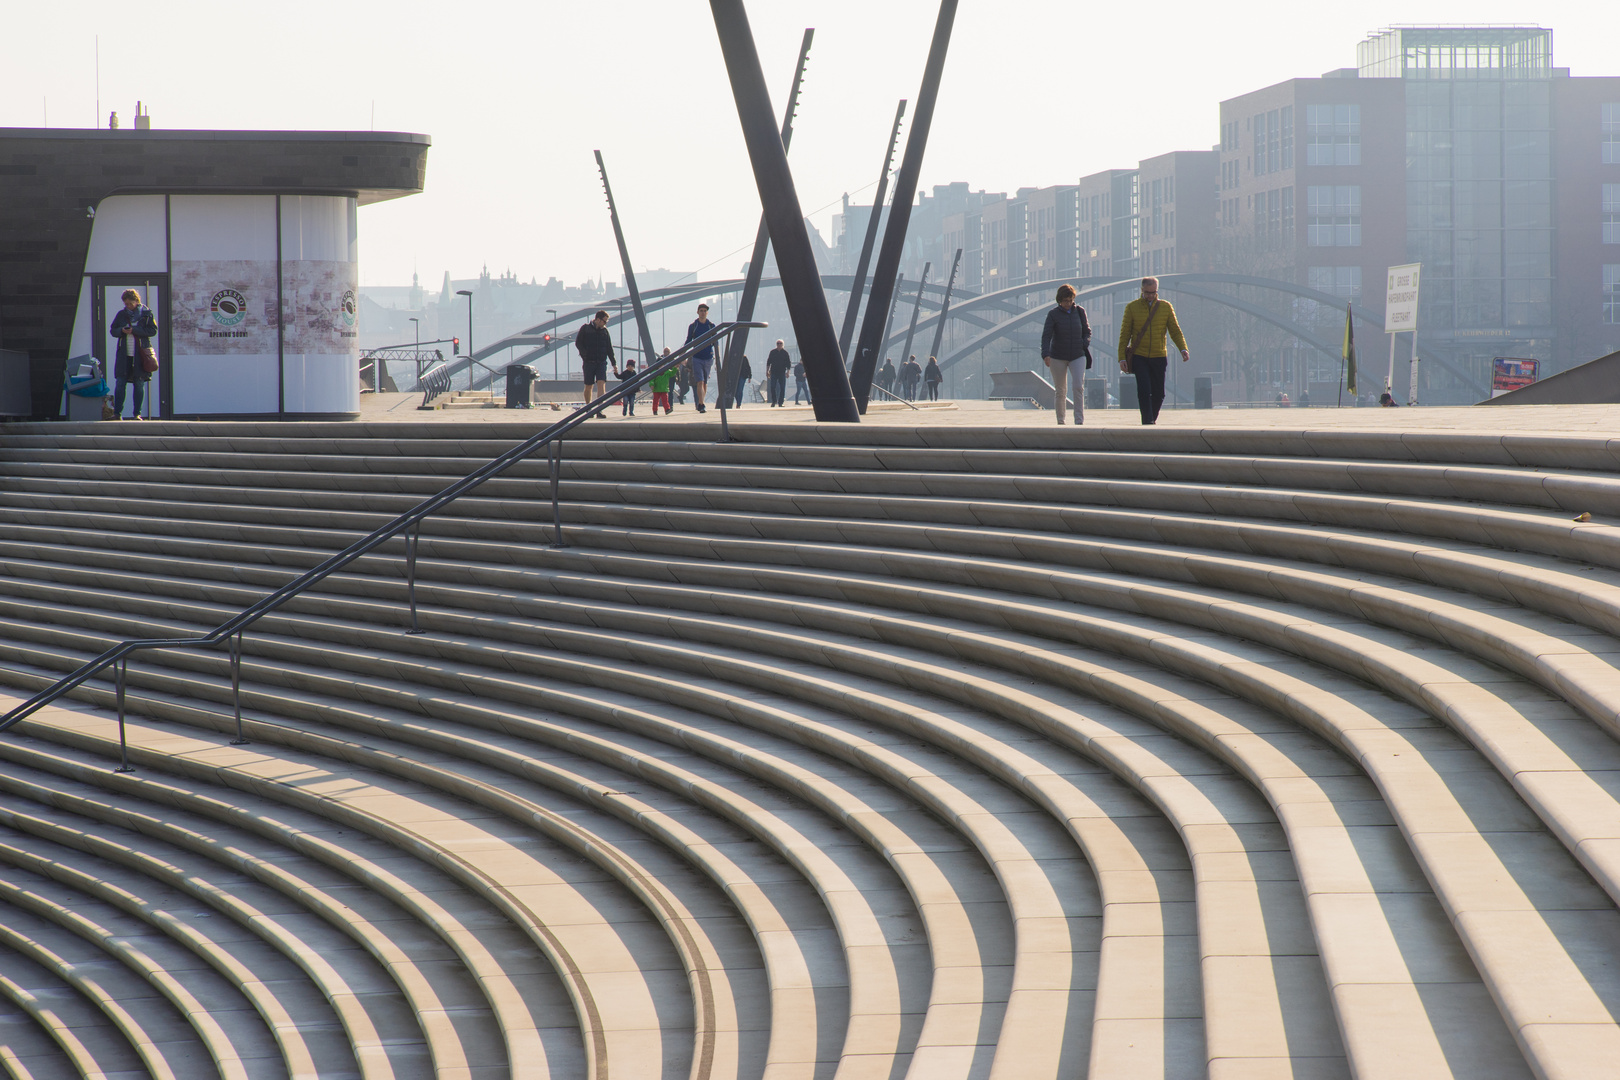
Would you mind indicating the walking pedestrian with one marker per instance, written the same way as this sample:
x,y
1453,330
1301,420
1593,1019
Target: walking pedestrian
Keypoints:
x,y
660,386
1065,338
886,375
1142,329
595,346
776,373
701,363
910,376
932,377
801,388
627,404
745,373
133,327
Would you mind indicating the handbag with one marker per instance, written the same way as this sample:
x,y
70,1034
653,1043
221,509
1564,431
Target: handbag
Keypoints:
x,y
1130,349
149,359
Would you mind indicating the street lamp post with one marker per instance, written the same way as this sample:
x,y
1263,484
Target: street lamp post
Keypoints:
x,y
555,374
468,294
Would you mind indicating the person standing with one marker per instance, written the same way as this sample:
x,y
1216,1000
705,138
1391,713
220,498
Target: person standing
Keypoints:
x,y
801,388
595,347
701,363
777,364
1142,329
133,328
660,386
1065,338
932,377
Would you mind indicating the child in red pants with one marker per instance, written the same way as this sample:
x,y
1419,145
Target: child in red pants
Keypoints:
x,y
660,388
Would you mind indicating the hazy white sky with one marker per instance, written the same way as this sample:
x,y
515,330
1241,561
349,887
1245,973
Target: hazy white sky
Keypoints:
x,y
517,95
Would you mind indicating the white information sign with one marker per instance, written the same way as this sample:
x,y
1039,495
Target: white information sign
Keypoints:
x,y
1401,299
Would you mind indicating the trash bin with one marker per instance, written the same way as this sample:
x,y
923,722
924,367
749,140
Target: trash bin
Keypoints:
x,y
1127,392
519,379
1096,393
86,389
1203,391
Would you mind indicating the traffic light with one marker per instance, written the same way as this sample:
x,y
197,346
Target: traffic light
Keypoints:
x,y
546,338
455,346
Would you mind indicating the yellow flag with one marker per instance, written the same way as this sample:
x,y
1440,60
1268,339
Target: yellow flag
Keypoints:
x,y
1349,350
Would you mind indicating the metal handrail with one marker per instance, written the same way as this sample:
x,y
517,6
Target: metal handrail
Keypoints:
x,y
876,389
435,380
409,523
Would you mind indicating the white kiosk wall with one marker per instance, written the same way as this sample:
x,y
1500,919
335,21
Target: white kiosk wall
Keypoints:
x,y
320,283
259,320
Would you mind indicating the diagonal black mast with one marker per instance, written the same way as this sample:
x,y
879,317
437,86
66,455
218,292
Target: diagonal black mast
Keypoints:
x,y
905,353
859,285
762,239
945,308
647,355
905,193
795,259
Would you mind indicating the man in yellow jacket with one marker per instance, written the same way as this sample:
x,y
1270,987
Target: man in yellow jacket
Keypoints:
x,y
1142,329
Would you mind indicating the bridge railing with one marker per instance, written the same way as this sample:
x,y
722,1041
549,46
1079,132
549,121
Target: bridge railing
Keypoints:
x,y
408,525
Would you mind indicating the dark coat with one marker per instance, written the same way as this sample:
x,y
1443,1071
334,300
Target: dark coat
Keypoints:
x,y
594,343
777,364
932,374
1067,334
697,330
145,326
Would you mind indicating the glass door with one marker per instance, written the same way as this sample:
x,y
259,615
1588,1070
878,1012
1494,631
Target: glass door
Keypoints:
x,y
107,300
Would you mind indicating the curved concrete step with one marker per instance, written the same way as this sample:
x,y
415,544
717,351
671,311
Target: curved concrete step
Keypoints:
x,y
926,586
509,976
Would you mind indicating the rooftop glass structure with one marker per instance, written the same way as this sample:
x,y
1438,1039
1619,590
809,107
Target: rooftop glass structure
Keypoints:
x,y
1456,52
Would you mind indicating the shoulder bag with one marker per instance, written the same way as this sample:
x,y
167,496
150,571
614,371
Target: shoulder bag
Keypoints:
x,y
1130,349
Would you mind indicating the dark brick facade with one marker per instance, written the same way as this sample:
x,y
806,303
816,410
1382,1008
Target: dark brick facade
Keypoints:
x,y
49,176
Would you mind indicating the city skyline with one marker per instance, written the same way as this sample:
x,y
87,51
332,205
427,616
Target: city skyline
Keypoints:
x,y
511,182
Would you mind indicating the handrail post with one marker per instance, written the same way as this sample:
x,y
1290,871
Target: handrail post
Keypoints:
x,y
236,686
555,457
123,742
412,538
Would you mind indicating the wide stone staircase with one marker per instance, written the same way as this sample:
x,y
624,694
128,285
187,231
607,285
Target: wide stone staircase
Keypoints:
x,y
836,752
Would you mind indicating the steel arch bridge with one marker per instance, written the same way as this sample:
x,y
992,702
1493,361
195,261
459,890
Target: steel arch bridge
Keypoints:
x,y
979,310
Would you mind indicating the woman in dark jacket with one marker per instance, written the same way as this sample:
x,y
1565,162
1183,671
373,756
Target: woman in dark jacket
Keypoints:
x,y
932,376
133,328
1066,337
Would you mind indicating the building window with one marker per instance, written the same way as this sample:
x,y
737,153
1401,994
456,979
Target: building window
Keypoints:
x,y
1333,134
1611,213
1288,137
1611,133
1611,294
1333,215
1341,281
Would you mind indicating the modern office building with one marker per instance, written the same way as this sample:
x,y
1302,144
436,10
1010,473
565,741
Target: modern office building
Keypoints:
x,y
1461,148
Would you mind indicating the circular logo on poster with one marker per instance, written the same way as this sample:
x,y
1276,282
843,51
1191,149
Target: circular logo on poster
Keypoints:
x,y
349,308
228,307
